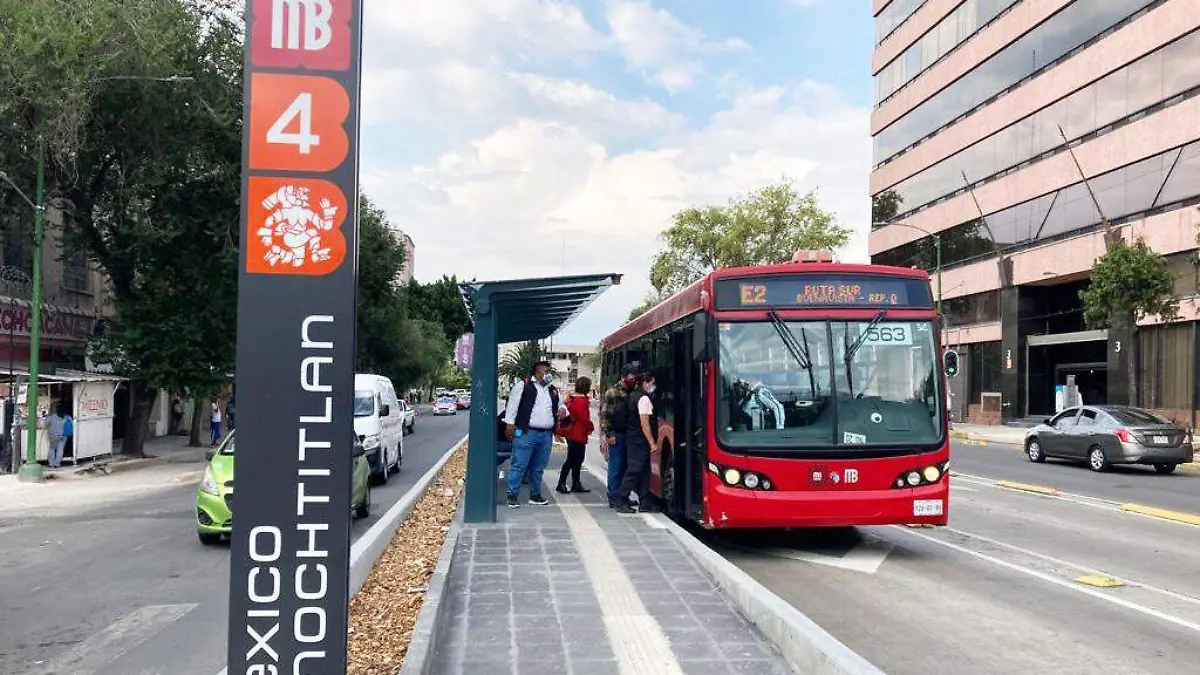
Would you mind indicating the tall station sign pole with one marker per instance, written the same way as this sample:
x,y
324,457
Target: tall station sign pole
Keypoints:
x,y
289,571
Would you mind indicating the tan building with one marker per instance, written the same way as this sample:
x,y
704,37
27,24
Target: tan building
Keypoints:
x,y
570,362
410,256
979,106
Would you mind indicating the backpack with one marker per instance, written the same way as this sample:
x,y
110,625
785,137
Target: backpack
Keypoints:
x,y
618,418
68,427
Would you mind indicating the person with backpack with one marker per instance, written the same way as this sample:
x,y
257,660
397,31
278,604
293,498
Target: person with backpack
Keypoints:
x,y
531,415
576,431
641,437
614,420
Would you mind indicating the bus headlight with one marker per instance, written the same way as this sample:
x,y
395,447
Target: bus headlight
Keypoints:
x,y
750,481
927,475
732,476
932,474
913,478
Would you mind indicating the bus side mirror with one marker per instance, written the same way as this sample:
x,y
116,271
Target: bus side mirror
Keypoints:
x,y
950,362
700,337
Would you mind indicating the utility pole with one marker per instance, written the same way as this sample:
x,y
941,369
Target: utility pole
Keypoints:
x,y
31,471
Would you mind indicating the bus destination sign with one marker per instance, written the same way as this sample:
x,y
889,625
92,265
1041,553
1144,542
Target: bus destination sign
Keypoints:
x,y
810,290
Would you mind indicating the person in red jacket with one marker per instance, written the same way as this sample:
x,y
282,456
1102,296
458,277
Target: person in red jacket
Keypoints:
x,y
579,427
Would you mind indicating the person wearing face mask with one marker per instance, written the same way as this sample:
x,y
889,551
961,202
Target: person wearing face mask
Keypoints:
x,y
640,437
533,405
614,422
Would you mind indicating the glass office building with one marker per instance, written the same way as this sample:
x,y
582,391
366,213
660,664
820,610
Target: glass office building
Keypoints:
x,y
1013,130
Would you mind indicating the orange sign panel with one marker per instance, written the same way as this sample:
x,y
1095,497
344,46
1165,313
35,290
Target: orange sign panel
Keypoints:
x,y
301,34
294,226
297,122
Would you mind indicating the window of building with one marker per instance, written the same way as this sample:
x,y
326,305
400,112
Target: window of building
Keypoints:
x,y
1128,192
1154,80
983,372
1072,27
969,309
75,273
893,16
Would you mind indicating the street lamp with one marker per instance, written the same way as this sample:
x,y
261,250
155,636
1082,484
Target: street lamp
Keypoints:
x,y
937,247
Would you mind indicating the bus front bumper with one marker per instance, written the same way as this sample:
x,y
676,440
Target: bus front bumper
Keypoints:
x,y
727,507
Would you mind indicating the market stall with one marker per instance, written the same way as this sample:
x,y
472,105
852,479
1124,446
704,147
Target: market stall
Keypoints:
x,y
89,398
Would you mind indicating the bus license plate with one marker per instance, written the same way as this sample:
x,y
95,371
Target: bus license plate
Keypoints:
x,y
927,507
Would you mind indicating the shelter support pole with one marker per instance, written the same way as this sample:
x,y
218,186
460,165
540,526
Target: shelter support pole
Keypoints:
x,y
481,458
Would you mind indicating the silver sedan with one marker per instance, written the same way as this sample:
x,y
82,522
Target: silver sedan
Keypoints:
x,y
1104,435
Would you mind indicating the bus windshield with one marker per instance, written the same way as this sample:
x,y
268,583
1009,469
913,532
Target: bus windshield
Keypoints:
x,y
829,384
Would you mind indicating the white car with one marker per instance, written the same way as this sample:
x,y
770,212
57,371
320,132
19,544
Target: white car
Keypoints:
x,y
379,424
408,417
445,405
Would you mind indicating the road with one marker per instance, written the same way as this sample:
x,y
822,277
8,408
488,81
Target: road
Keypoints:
x,y
997,591
127,588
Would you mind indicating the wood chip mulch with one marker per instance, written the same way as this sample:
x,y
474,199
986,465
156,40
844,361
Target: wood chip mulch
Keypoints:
x,y
384,612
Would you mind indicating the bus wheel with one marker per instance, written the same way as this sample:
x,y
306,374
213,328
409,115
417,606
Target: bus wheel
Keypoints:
x,y
668,484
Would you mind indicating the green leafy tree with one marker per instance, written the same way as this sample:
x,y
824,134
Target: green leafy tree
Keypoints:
x,y
455,378
1129,283
885,206
442,303
136,107
765,227
518,363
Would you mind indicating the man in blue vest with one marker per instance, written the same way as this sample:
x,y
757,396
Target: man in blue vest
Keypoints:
x,y
533,406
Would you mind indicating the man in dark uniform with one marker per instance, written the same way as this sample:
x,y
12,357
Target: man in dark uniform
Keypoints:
x,y
641,437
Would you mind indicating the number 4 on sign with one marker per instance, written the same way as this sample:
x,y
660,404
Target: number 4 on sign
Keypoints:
x,y
300,113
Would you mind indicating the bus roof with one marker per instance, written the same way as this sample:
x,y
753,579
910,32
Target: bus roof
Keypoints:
x,y
688,301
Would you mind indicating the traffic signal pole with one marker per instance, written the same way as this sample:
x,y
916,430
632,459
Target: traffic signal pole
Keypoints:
x,y
31,471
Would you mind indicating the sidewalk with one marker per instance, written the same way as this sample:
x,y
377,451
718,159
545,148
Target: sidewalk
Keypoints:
x,y
984,433
574,587
72,489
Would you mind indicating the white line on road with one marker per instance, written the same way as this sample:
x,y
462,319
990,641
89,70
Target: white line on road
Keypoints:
x,y
94,654
1162,616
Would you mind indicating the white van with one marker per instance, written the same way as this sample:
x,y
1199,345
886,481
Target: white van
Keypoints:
x,y
378,422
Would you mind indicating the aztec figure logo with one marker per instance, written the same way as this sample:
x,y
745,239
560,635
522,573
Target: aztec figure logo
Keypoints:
x,y
295,227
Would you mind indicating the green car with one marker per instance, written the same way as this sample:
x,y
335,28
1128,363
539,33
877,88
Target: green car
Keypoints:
x,y
214,513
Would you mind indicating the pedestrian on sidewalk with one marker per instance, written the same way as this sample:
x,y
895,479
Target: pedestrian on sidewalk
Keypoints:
x,y
579,427
614,420
533,406
641,436
215,421
229,413
55,426
176,415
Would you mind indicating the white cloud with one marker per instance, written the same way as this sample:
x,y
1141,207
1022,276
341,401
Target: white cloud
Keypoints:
x,y
503,204
582,100
663,49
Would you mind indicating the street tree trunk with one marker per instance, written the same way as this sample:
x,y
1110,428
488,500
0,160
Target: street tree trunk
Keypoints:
x,y
141,403
194,436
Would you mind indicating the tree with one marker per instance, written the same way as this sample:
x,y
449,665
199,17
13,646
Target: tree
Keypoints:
x,y
455,378
442,303
1129,283
765,227
136,107
518,363
885,206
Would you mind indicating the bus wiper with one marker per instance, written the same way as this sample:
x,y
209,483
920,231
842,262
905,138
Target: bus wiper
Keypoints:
x,y
793,345
862,337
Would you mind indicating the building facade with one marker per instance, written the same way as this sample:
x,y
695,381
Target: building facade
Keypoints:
x,y
1007,133
569,362
410,256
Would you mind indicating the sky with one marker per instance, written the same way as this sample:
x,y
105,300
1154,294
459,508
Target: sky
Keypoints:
x,y
528,138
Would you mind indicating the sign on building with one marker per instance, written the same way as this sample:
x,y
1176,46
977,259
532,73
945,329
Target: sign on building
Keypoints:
x,y
295,346
465,351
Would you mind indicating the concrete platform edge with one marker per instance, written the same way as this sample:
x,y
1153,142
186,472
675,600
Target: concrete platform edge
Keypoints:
x,y
806,647
369,547
431,621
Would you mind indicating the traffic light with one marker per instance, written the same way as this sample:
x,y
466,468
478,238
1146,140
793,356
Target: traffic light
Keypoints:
x,y
950,363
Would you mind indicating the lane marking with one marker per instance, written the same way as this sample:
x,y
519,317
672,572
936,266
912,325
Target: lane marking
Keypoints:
x,y
1099,581
99,651
1086,569
1164,514
1027,487
638,641
1086,590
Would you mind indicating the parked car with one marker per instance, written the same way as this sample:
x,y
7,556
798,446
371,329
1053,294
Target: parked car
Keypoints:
x,y
214,497
408,417
1104,435
445,405
377,421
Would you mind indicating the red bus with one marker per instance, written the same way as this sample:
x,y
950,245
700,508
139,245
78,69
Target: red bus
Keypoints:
x,y
806,394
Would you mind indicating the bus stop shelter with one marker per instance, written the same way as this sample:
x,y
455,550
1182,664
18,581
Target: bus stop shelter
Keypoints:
x,y
504,312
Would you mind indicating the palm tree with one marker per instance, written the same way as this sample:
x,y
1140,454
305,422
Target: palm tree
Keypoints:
x,y
518,364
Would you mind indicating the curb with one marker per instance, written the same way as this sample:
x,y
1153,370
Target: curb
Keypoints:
x,y
429,630
367,549
806,647
1027,487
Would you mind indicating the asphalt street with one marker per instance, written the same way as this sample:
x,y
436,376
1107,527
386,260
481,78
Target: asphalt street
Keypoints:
x,y
127,588
1006,588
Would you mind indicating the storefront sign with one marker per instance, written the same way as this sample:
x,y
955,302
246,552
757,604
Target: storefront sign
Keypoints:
x,y
94,401
295,356
58,323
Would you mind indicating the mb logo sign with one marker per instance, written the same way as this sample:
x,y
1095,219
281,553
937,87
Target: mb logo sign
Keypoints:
x,y
290,549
